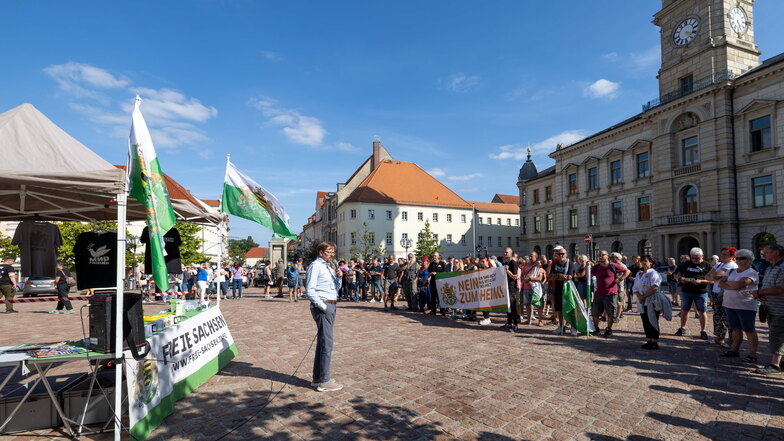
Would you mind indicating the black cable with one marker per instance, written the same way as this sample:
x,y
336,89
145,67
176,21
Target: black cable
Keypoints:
x,y
275,395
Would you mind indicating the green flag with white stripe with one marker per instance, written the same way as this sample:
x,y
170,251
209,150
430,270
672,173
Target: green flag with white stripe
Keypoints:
x,y
574,311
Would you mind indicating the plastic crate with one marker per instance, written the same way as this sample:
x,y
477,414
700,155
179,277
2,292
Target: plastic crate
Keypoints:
x,y
99,410
38,411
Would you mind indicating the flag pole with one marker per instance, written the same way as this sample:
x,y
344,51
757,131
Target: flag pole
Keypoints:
x,y
589,294
221,228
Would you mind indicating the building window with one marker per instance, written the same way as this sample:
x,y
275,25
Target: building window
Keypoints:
x,y
449,239
435,237
689,200
499,221
616,212
420,216
593,215
404,215
449,218
548,193
643,168
536,196
479,240
691,152
389,214
404,236
517,241
462,240
762,188
573,183
517,222
463,218
479,219
687,84
760,134
353,238
489,220
549,222
435,217
644,208
537,224
509,241
525,226
389,238
353,214
593,178
490,241
371,214
573,218
499,241
615,172
372,238
508,222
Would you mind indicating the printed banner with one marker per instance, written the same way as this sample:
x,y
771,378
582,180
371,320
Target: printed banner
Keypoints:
x,y
483,289
181,358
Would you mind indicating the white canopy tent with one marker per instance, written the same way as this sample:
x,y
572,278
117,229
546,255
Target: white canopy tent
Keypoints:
x,y
48,175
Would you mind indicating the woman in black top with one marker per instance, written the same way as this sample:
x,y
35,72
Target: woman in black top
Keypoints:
x,y
61,282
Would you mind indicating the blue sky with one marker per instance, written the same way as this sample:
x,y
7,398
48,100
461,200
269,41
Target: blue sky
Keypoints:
x,y
296,91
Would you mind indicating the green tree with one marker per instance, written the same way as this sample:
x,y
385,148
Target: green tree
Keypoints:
x,y
427,245
70,230
190,248
238,248
367,248
309,252
6,249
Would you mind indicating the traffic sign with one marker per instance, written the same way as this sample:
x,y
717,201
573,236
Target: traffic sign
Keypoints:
x,y
588,238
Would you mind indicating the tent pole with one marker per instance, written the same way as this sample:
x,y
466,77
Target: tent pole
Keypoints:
x,y
221,224
118,322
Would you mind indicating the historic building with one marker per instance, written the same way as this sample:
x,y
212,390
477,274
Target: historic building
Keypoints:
x,y
392,200
699,166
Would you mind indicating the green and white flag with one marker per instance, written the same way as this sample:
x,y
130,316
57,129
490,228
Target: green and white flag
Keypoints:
x,y
574,311
243,197
149,188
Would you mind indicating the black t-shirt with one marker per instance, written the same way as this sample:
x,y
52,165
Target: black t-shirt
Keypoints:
x,y
692,270
391,271
566,268
38,243
172,242
95,258
436,267
5,274
511,265
63,283
376,272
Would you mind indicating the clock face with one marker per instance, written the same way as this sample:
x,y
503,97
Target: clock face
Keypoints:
x,y
738,20
686,31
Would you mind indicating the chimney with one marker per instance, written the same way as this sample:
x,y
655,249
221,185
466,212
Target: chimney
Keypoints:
x,y
376,154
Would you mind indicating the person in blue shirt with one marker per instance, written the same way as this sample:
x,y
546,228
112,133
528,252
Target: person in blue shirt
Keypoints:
x,y
323,283
202,277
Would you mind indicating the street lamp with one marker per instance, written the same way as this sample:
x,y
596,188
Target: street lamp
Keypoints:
x,y
406,243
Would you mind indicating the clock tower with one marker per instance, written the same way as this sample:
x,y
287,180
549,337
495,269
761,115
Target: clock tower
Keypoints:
x,y
703,39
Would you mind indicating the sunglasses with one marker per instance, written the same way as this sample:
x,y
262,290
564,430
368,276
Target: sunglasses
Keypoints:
x,y
741,258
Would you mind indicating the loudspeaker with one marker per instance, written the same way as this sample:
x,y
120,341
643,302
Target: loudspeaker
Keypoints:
x,y
103,316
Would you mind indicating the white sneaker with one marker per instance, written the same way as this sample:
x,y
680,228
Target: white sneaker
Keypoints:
x,y
484,322
712,340
574,332
329,386
372,300
558,331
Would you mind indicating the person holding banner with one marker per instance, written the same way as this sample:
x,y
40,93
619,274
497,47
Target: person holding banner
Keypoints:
x,y
323,283
436,266
513,315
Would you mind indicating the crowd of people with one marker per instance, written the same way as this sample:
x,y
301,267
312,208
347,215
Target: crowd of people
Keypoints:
x,y
735,289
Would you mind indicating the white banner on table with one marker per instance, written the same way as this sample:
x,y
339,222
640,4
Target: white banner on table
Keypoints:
x,y
181,358
483,289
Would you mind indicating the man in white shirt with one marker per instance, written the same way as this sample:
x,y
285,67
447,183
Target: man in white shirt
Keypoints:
x,y
719,270
323,283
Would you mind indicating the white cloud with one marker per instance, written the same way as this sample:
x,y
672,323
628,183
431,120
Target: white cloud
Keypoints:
x,y
459,82
466,177
436,172
609,56
271,56
169,113
518,151
602,89
298,128
346,147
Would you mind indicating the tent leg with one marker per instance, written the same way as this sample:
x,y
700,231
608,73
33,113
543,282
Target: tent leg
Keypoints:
x,y
122,200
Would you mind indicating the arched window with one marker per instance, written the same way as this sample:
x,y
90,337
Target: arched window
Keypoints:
x,y
617,247
549,251
644,247
573,249
689,200
538,250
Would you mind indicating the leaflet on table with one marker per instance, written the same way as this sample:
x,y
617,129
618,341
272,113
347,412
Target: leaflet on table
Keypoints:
x,y
181,358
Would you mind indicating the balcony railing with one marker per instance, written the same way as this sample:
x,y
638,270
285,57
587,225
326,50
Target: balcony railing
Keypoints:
x,y
707,216
686,170
718,77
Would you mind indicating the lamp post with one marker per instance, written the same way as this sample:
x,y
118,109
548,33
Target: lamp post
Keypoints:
x,y
406,243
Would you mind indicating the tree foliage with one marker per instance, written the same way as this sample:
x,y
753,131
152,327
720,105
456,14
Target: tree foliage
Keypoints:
x,y
367,248
190,249
427,245
6,249
238,248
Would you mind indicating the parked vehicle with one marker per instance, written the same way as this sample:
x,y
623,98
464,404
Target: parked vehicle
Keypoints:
x,y
36,285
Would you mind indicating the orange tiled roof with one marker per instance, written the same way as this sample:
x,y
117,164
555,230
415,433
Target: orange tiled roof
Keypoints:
x,y
176,191
256,253
404,183
495,207
212,202
320,198
506,199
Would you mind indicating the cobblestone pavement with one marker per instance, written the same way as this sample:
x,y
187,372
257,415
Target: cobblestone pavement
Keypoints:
x,y
414,377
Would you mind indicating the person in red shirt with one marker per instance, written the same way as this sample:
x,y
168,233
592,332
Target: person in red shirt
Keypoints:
x,y
605,301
